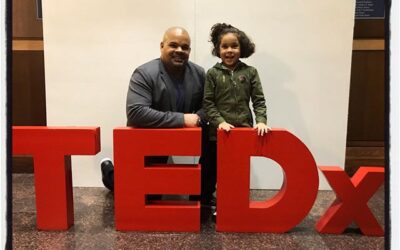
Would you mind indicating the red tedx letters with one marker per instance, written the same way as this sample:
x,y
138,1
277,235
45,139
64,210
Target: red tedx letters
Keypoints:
x,y
52,148
351,202
288,207
133,180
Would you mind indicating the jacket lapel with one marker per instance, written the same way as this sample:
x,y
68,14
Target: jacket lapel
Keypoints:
x,y
189,86
170,86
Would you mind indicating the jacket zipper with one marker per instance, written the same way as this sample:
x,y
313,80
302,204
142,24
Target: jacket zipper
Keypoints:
x,y
235,94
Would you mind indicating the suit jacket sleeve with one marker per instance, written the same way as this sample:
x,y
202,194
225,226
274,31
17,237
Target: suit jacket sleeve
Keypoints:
x,y
139,104
200,112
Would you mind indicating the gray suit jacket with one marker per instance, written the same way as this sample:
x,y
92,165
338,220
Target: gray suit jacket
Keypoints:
x,y
151,100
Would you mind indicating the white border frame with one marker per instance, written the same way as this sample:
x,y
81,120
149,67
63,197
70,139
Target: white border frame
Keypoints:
x,y
394,125
3,126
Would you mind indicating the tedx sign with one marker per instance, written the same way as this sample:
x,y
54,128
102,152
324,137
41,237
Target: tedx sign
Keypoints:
x,y
52,147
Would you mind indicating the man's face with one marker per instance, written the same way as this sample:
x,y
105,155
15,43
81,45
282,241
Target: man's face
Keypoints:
x,y
175,49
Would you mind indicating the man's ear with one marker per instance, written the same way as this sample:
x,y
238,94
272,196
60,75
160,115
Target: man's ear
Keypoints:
x,y
161,45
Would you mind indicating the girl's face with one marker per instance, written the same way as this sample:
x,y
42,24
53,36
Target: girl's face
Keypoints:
x,y
229,50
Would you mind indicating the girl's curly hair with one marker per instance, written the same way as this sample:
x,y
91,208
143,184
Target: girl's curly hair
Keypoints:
x,y
247,47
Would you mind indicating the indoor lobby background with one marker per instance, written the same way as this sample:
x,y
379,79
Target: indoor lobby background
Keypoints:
x,y
361,100
97,65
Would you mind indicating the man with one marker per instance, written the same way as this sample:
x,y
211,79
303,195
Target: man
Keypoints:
x,y
167,93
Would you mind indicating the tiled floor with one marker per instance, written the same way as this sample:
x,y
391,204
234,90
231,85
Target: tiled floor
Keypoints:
x,y
94,227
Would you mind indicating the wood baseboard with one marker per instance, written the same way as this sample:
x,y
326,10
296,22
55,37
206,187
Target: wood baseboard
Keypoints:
x,y
363,156
22,164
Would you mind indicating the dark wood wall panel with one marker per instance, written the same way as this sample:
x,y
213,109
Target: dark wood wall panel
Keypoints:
x,y
366,120
369,28
367,92
28,95
24,20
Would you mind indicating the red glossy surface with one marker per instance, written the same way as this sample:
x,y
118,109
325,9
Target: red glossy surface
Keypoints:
x,y
292,203
133,179
351,202
51,148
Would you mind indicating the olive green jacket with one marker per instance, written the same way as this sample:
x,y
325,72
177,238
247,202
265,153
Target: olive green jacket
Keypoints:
x,y
227,95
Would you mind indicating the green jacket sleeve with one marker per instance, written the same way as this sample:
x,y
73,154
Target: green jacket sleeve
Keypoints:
x,y
209,105
257,97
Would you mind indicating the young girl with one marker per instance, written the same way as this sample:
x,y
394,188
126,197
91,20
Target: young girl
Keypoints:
x,y
231,84
229,87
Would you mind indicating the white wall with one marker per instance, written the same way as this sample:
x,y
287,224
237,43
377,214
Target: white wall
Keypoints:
x,y
303,56
394,125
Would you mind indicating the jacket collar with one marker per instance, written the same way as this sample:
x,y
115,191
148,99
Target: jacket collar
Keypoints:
x,y
239,65
187,81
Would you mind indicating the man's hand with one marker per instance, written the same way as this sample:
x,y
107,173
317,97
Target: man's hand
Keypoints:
x,y
262,128
191,120
225,126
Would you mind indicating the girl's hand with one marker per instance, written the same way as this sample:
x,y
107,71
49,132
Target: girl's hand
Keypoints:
x,y
262,128
225,126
